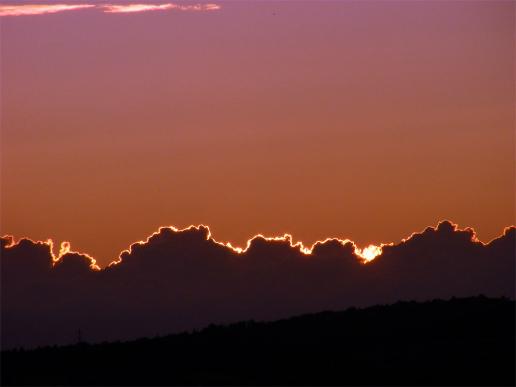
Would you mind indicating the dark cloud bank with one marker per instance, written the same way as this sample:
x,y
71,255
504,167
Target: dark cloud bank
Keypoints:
x,y
180,280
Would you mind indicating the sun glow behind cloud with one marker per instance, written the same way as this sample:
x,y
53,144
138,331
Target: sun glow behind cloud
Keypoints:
x,y
41,9
368,253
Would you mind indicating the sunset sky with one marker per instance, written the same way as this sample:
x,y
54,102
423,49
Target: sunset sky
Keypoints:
x,y
361,120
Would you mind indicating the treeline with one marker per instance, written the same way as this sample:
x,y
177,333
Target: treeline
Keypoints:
x,y
469,341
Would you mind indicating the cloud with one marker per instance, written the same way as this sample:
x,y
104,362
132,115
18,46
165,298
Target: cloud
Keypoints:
x,y
132,8
28,9
184,279
41,9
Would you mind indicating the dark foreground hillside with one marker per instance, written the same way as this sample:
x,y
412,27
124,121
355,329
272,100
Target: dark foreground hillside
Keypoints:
x,y
457,342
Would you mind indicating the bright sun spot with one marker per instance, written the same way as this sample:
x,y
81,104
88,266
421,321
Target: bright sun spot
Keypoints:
x,y
369,253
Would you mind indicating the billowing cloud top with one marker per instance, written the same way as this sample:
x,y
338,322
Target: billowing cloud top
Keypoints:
x,y
41,9
184,279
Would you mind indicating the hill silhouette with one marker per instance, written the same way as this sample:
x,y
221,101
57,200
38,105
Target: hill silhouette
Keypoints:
x,y
468,341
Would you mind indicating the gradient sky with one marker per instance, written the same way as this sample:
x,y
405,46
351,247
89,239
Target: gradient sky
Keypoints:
x,y
365,120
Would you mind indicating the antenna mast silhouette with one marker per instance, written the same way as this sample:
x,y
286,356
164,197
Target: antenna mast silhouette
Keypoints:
x,y
79,336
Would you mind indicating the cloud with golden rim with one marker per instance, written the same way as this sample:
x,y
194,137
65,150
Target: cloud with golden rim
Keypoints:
x,y
183,279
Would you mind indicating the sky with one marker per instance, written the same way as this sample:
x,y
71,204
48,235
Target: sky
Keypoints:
x,y
360,120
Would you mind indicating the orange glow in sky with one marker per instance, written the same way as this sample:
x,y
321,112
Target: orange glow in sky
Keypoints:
x,y
364,120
